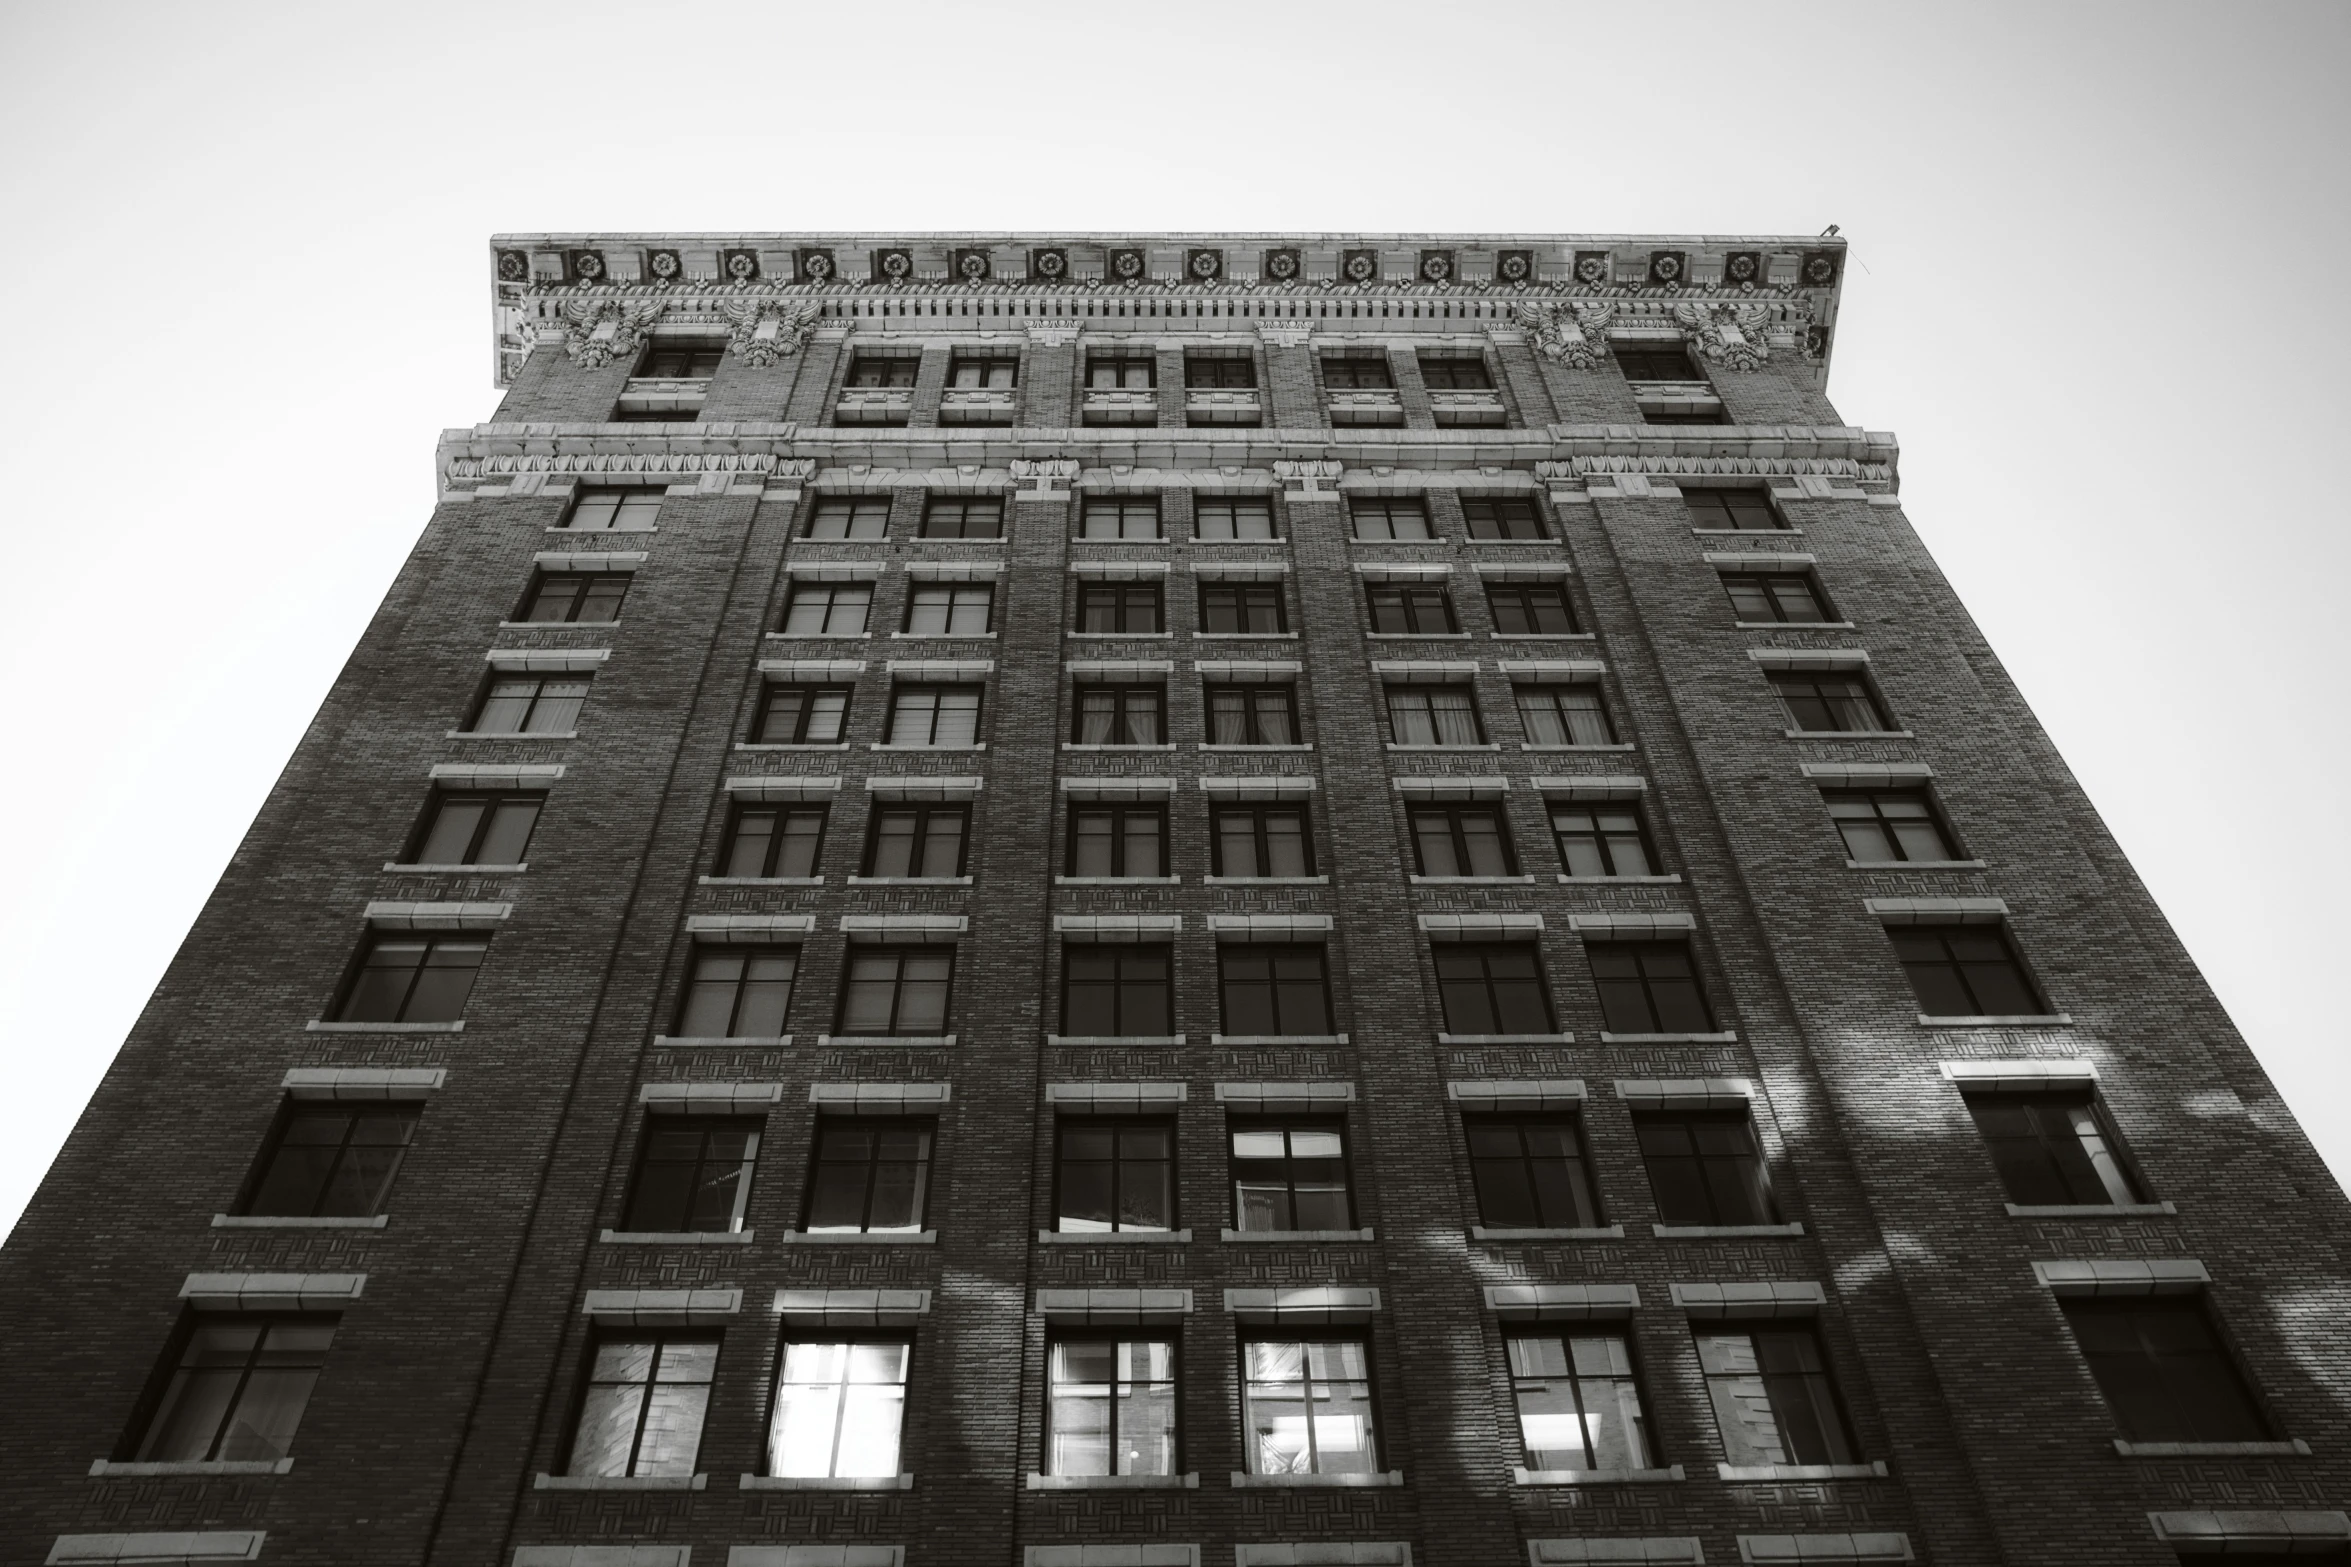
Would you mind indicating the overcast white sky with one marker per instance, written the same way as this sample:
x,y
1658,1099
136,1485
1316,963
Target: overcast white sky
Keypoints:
x,y
2098,254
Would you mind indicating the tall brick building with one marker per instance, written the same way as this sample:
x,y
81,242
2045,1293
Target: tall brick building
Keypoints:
x,y
1176,901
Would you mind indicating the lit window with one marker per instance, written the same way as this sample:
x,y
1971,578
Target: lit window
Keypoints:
x,y
1773,1399
1111,1407
739,993
238,1389
1307,1406
840,1409
414,979
693,1175
1579,1406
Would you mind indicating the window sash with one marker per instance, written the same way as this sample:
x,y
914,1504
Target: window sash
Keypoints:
x,y
739,993
1240,520
414,979
1397,608
870,1176
918,840
827,609
1114,1175
897,990
1564,715
850,517
1649,987
1579,1403
331,1161
1774,1401
1965,971
1377,520
1531,609
1110,1407
576,597
1118,841
1273,989
532,704
1705,1169
1495,989
936,716
1531,1173
2165,1371
1461,840
1261,840
1252,715
1121,607
1253,608
1117,991
1307,1406
1434,715
803,715
768,841
693,1175
963,517
840,1409
1602,841
466,828
2053,1149
238,1388
1501,517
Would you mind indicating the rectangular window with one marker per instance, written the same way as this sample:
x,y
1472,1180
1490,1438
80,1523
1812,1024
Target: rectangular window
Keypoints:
x,y
1455,373
1110,1407
331,1161
681,359
960,609
871,1176
1532,1173
1656,414
897,990
1602,840
935,715
1120,715
964,517
1461,840
1273,990
850,517
1118,840
827,609
531,705
1773,1399
1207,372
1579,1406
918,840
764,841
1965,971
1117,990
739,993
1252,715
1121,372
1120,517
1261,840
2054,1149
2164,1369
840,1409
1531,609
983,372
1495,989
1705,1168
1501,517
1242,518
614,511
1830,704
1117,607
1885,826
575,597
1114,1175
1290,1175
1727,510
1410,609
238,1388
1434,715
802,715
1357,373
414,979
1788,598
1563,714
1382,517
486,828
1245,608
693,1175
1656,362
1649,987
876,370
1307,1404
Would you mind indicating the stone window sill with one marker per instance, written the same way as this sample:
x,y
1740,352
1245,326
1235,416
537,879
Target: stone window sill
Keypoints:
x,y
1117,881
1265,881
495,734
862,1238
932,636
1122,543
1298,1237
1083,745
826,1483
620,1483
1277,1039
1517,544
1728,1036
1471,881
1545,636
1914,865
1598,1476
1416,636
738,1041
287,1221
455,870
1603,1232
1566,880
1247,636
675,1237
1870,1471
1792,625
1506,1039
1490,745
1250,1482
759,881
1205,746
1848,734
1114,1237
884,1041
910,881
2091,1210
763,745
885,745
216,1466
316,1026
1722,1232
2014,1020
1529,745
1190,1482
1749,533
2297,1448
819,636
1113,1041
1125,636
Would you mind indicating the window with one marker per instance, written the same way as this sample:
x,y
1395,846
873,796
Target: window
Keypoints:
x,y
1115,517
614,511
1579,1406
918,840
1965,971
1110,1407
1290,1176
1881,826
1273,990
1494,989
872,1176
2165,1370
850,517
1830,704
238,1389
1648,987
739,993
1261,840
1121,372
1116,990
827,609
897,990
1252,715
964,517
1501,517
1563,715
1461,840
870,370
681,359
1434,715
1773,1399
1455,373
693,1175
1208,372
1116,607
1114,1175
1357,373
802,715
962,609
1411,609
839,1410
1243,608
469,828
647,1395
1531,609
977,372
1602,840
1654,413
1705,1168
1732,510
1120,715
1241,518
1531,1173
935,716
1657,362
1390,517
2054,1149
331,1161
414,979
531,705
1307,1404
575,597
764,841
1788,598
1118,840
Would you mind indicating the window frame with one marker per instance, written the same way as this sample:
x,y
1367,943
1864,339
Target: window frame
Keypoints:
x,y
1261,839
2218,1348
927,1165
702,1165
1823,1386
1250,716
777,1404
924,812
857,507
433,942
1195,358
1587,1210
1123,597
1454,814
1063,1125
836,596
785,811
1289,1126
962,505
1636,362
161,1398
1786,681
664,1339
1056,1338
1719,512
987,361
1582,1389
585,582
1248,601
1603,843
2108,1160
628,502
1503,519
1397,609
1121,362
891,382
1123,709
1404,692
956,596
1375,1415
256,1184
692,349
1642,950
1117,953
1486,981
1202,505
691,990
1358,363
1387,508
1753,1182
901,951
1118,810
1454,359
1549,697
441,797
937,691
1774,605
2026,980
1529,608
813,690
1227,953
542,697
1931,812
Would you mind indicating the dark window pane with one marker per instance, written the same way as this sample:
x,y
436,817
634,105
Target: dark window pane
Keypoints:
x,y
1530,609
2164,1370
1115,1175
1274,990
238,1390
694,1175
870,1175
1648,987
1705,1169
1965,971
1492,989
332,1161
2053,1149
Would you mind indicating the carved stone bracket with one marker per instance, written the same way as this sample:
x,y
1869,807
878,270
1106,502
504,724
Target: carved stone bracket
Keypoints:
x,y
1730,335
769,330
1575,335
1043,479
1285,334
1319,476
598,331
1058,333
